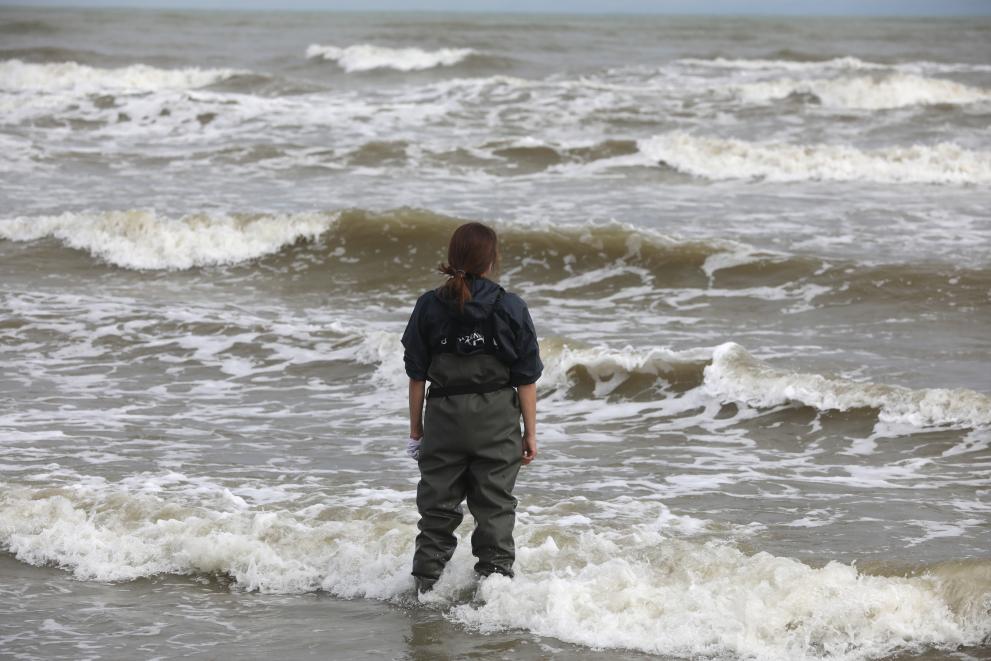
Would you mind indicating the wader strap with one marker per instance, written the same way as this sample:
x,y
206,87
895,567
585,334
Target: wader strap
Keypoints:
x,y
466,389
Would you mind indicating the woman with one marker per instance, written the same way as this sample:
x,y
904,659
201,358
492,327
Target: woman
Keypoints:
x,y
476,345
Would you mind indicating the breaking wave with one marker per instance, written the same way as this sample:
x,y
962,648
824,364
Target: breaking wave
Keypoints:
x,y
651,586
788,64
847,63
367,57
601,371
866,92
730,374
573,370
550,260
736,376
142,239
727,373
18,76
726,159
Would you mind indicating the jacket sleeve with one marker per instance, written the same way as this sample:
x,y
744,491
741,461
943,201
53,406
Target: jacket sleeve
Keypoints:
x,y
416,354
527,368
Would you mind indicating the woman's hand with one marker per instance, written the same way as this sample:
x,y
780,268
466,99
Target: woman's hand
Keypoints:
x,y
413,448
529,448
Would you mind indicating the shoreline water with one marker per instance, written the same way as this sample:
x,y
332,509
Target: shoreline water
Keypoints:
x,y
756,252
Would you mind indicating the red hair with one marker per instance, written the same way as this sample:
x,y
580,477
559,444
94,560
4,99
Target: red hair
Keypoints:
x,y
473,250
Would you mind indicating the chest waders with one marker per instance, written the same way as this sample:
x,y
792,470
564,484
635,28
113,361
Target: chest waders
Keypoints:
x,y
471,448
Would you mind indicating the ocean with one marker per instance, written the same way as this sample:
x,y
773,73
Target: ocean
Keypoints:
x,y
757,252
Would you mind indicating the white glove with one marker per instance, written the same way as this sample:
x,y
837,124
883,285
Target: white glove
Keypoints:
x,y
413,449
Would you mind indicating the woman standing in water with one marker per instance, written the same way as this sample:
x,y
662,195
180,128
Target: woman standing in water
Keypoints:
x,y
476,345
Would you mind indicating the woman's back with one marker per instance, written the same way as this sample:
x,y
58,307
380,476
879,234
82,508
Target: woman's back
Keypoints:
x,y
499,317
476,345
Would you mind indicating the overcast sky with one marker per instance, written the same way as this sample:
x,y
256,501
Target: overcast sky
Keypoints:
x,y
777,7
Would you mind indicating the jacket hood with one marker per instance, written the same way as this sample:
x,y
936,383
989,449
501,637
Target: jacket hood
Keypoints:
x,y
483,296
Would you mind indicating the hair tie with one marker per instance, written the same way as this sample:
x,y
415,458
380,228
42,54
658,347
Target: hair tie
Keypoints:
x,y
459,272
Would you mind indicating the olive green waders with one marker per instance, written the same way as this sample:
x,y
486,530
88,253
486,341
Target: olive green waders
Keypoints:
x,y
472,447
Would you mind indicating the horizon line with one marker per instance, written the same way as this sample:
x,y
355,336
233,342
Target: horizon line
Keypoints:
x,y
199,8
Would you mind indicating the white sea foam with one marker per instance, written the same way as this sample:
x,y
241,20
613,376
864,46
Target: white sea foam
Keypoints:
x,y
271,551
699,600
737,376
786,65
867,92
138,239
381,349
726,158
610,367
366,57
848,63
644,586
18,76
17,154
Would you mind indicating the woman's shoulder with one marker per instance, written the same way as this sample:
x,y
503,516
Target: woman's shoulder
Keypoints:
x,y
513,301
425,302
515,307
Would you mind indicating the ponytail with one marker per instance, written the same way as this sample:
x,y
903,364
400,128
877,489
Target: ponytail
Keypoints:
x,y
456,288
473,250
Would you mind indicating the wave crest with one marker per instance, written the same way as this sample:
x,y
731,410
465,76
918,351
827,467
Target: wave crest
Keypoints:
x,y
867,93
18,76
730,374
762,64
602,371
140,239
727,373
727,158
368,57
798,62
736,376
143,239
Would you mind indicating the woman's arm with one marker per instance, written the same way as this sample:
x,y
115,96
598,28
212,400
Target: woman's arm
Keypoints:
x,y
416,390
528,404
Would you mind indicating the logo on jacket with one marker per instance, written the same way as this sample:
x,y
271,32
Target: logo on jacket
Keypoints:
x,y
474,340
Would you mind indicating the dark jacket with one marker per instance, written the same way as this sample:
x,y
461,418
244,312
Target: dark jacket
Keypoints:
x,y
514,333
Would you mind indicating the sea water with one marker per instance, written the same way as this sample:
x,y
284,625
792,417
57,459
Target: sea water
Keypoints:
x,y
757,253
